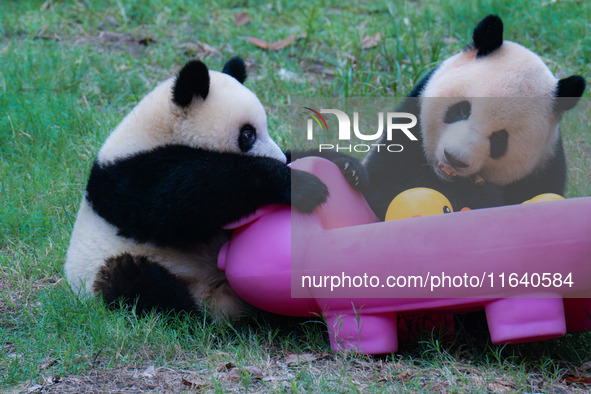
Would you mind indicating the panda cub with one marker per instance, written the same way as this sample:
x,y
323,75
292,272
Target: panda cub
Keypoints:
x,y
488,128
191,157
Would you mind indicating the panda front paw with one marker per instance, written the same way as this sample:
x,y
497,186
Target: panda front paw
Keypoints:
x,y
307,191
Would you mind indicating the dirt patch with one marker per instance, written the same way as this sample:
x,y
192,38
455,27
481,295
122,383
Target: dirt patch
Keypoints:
x,y
117,42
134,44
125,380
150,379
309,371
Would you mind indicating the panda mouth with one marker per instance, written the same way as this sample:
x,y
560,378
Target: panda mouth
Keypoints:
x,y
449,173
446,169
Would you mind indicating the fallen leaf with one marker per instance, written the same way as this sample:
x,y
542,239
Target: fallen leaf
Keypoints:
x,y
259,42
234,374
273,46
225,367
149,372
48,364
255,372
404,376
195,386
241,18
287,41
146,41
371,41
300,358
199,49
578,379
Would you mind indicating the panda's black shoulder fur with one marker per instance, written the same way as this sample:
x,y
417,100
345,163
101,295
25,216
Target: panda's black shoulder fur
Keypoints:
x,y
549,178
177,195
418,89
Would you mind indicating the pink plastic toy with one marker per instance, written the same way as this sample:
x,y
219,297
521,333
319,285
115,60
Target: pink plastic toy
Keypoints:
x,y
270,252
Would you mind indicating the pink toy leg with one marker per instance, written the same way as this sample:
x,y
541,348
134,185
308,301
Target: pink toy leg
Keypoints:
x,y
578,314
369,334
515,320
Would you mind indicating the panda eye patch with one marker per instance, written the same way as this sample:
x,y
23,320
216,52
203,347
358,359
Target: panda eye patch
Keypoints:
x,y
457,112
247,138
499,141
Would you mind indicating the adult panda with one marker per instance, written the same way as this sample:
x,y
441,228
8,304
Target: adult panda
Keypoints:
x,y
191,157
488,114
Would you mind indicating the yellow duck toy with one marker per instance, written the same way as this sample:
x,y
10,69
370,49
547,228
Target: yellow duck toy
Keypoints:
x,y
416,202
544,197
422,201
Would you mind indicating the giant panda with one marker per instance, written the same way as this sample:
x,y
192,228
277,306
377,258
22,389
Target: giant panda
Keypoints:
x,y
191,157
488,128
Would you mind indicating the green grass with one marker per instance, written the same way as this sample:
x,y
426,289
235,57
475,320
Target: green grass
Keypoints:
x,y
69,72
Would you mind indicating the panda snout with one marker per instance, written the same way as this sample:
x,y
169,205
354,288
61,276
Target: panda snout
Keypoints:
x,y
454,161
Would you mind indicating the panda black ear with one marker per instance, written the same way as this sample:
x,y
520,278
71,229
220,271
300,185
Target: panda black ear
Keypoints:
x,y
193,80
568,92
236,68
488,35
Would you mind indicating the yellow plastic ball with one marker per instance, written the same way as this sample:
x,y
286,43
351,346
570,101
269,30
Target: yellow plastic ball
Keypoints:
x,y
545,197
419,201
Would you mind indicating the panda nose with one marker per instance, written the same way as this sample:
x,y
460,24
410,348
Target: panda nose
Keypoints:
x,y
454,161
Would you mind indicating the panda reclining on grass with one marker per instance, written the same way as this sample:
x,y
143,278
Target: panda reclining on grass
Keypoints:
x,y
489,114
191,157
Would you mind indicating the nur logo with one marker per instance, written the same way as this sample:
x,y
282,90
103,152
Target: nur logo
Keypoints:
x,y
393,123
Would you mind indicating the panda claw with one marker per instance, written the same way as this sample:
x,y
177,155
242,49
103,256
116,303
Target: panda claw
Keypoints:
x,y
353,171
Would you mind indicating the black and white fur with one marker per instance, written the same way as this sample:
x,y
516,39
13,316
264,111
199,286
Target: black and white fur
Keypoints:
x,y
491,112
191,157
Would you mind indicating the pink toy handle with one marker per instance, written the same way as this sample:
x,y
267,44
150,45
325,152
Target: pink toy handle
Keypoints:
x,y
250,218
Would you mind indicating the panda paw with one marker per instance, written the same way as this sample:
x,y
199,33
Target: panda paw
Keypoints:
x,y
353,171
137,282
307,191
